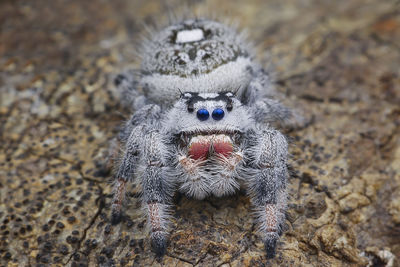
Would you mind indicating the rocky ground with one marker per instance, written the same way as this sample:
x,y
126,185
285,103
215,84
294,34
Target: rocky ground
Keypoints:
x,y
338,62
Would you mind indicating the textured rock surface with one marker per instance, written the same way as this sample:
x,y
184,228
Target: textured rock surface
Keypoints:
x,y
337,61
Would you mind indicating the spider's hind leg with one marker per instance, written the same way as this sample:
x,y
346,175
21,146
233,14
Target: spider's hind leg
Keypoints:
x,y
118,199
267,107
125,173
129,89
130,135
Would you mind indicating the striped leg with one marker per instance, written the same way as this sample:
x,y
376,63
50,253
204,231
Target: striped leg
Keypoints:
x,y
266,177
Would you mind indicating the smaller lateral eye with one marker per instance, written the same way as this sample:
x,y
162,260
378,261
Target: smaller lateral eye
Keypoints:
x,y
190,108
229,106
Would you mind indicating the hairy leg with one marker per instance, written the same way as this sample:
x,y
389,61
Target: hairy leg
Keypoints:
x,y
130,136
158,188
266,175
271,110
127,84
143,157
266,106
125,173
118,199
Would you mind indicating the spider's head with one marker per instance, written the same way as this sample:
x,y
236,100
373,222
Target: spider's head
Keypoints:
x,y
207,121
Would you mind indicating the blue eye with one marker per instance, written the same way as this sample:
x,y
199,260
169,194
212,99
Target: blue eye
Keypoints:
x,y
203,114
218,114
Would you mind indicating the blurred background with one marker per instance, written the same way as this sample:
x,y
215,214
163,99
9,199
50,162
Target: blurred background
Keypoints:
x,y
336,62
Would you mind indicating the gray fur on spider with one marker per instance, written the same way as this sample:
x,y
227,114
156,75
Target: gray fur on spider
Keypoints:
x,y
202,126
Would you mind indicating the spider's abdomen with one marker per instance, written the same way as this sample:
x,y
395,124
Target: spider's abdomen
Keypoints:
x,y
197,56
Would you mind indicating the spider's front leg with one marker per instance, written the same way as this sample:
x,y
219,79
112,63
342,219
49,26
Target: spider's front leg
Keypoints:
x,y
158,189
266,174
143,158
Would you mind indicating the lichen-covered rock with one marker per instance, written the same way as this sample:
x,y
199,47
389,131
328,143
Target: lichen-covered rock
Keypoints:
x,y
337,62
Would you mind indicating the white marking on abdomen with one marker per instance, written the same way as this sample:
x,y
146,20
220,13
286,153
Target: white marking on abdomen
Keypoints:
x,y
189,36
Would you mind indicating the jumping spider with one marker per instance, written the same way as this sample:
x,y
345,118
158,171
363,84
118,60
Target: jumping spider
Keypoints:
x,y
202,126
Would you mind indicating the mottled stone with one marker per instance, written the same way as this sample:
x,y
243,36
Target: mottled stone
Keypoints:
x,y
336,62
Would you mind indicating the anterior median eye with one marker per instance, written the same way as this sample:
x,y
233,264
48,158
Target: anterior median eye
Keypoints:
x,y
203,114
218,114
